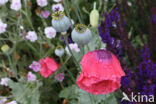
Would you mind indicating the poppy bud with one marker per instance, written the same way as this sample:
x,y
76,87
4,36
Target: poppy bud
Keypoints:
x,y
59,51
101,72
60,22
81,34
5,48
94,17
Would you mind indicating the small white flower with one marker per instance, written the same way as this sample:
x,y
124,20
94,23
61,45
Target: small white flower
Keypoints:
x,y
21,27
42,3
3,27
31,77
16,5
50,32
64,33
57,7
2,2
32,36
4,81
72,21
74,47
12,102
57,1
129,3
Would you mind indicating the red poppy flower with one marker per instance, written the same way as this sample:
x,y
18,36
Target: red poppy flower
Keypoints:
x,y
48,66
101,72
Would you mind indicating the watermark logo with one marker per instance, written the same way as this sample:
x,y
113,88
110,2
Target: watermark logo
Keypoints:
x,y
138,98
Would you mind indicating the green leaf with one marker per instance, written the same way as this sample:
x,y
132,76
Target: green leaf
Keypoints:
x,y
25,93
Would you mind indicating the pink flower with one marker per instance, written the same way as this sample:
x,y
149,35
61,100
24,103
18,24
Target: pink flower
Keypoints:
x,y
101,72
74,47
4,81
31,77
42,3
32,36
48,66
3,101
35,66
57,7
3,27
50,32
16,5
59,77
45,14
12,102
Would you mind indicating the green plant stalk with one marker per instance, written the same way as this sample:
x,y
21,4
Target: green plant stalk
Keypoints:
x,y
11,65
67,11
91,100
28,20
76,62
77,12
72,77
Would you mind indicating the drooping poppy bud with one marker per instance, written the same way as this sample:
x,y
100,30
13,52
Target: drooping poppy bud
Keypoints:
x,y
94,17
81,34
60,22
101,72
48,66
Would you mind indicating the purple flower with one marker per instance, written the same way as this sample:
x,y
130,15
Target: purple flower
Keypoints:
x,y
59,77
154,18
35,66
31,77
45,14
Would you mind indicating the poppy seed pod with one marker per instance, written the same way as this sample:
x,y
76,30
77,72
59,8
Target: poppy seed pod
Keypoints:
x,y
81,34
94,17
59,51
101,72
60,22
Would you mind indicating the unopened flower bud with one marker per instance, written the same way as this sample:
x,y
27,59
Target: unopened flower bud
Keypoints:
x,y
94,17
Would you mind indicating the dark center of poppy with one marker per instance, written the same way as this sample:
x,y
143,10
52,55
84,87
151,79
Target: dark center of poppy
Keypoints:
x,y
80,28
104,55
58,15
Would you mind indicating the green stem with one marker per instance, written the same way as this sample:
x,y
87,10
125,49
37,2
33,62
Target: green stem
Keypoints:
x,y
75,61
90,98
77,10
62,85
73,79
67,11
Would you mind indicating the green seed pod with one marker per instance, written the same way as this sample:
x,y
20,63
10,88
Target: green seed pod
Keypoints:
x,y
59,51
60,22
94,17
81,34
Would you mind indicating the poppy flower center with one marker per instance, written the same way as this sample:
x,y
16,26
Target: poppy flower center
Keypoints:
x,y
104,55
80,28
59,47
58,15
